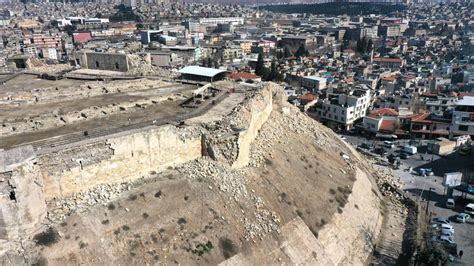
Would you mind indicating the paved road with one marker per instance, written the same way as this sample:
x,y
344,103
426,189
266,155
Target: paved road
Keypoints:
x,y
417,188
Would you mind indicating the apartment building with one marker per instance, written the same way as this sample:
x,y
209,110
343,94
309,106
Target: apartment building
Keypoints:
x,y
462,122
342,110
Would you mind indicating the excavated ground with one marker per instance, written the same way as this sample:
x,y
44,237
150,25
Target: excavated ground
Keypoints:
x,y
204,211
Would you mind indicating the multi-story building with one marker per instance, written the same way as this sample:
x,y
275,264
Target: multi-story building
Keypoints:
x,y
462,122
40,41
313,83
342,110
245,45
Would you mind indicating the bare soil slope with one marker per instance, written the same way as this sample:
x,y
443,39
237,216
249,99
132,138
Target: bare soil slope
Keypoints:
x,y
205,211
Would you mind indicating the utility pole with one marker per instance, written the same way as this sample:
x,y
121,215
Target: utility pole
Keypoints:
x,y
428,200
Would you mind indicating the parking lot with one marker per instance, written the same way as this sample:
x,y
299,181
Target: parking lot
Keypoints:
x,y
418,187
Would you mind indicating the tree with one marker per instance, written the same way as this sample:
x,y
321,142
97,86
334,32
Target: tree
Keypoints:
x,y
259,67
370,45
362,45
273,72
70,29
301,51
286,52
140,26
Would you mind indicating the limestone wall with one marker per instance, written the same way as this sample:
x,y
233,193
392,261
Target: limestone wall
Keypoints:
x,y
22,203
255,113
117,159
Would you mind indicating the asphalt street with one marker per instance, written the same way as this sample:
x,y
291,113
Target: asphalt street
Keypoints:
x,y
418,187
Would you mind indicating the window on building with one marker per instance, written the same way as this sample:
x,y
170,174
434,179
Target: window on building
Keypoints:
x,y
96,63
116,65
463,128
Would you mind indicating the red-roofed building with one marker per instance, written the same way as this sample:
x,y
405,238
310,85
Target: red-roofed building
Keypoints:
x,y
425,125
244,76
383,120
81,37
308,100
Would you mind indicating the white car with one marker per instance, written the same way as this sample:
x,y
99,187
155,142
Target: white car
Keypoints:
x,y
462,217
450,203
446,239
444,227
469,209
440,220
446,233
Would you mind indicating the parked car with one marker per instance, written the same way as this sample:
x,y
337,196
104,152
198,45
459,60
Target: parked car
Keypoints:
x,y
404,155
380,151
440,220
445,233
425,172
446,239
365,146
410,149
388,144
450,203
469,209
462,217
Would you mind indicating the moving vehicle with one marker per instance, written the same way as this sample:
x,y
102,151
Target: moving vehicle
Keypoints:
x,y
450,203
462,217
410,149
469,209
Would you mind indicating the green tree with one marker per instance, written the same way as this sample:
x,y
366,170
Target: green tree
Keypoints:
x,y
259,67
273,72
362,45
370,45
286,52
70,29
301,51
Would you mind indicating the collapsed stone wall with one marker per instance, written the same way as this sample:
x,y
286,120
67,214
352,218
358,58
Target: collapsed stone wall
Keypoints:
x,y
229,141
22,203
117,159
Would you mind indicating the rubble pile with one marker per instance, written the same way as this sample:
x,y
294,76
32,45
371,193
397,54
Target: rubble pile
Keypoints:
x,y
59,209
284,123
140,67
232,183
36,65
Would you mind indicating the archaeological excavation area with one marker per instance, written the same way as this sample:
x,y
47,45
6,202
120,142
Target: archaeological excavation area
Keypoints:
x,y
147,171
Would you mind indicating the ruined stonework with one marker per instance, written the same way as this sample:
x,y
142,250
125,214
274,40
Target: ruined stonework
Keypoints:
x,y
22,203
115,159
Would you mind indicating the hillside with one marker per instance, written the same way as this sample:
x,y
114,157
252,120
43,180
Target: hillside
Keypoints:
x,y
273,186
